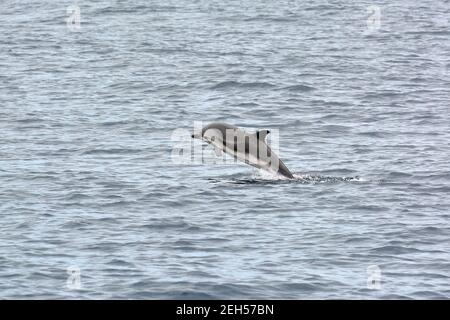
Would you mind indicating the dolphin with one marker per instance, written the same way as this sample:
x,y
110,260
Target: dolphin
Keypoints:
x,y
249,148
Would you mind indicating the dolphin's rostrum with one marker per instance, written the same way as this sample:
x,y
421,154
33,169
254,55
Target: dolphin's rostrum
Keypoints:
x,y
250,148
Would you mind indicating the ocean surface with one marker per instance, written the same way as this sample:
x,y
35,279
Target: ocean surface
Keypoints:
x,y
93,204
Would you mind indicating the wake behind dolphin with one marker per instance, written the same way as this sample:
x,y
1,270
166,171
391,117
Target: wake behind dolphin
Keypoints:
x,y
262,178
249,148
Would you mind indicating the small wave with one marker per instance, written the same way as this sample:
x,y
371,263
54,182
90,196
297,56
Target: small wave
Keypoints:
x,y
30,120
373,134
114,123
248,105
426,294
111,151
163,225
75,224
396,174
300,88
241,85
432,230
268,18
334,128
394,249
299,287
337,171
77,196
120,263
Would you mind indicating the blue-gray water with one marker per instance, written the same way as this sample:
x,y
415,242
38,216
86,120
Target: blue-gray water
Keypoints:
x,y
87,179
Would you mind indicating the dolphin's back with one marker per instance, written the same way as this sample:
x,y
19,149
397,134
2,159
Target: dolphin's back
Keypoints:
x,y
222,127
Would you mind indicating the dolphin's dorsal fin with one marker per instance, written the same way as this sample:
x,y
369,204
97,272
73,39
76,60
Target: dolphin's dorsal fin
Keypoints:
x,y
262,134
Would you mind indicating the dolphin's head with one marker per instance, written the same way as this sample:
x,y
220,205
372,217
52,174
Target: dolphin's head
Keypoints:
x,y
215,129
208,135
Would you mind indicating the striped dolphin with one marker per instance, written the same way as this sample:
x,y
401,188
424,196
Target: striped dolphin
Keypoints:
x,y
249,148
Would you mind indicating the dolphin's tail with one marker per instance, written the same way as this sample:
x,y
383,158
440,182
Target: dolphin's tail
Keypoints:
x,y
276,164
282,169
